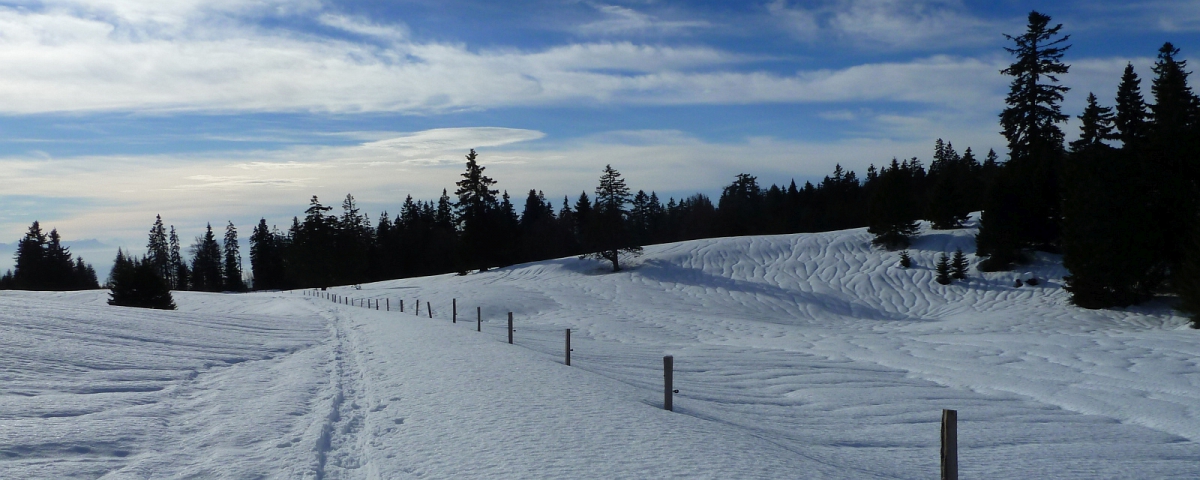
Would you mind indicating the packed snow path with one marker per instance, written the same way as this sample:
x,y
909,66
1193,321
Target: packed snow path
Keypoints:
x,y
796,356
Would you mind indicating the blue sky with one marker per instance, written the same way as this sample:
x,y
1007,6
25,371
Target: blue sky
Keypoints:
x,y
113,111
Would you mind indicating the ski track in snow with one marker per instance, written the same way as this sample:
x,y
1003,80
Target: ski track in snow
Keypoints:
x,y
808,355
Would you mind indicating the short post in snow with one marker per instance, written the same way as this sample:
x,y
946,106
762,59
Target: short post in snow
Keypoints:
x,y
429,308
568,350
478,319
387,303
949,444
417,312
510,328
401,305
668,383
454,310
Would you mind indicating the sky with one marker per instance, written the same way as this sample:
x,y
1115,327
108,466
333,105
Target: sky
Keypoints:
x,y
218,111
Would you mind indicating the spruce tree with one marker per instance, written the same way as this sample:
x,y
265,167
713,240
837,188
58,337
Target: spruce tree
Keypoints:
x,y
232,268
206,263
29,273
1022,209
894,206
958,265
1132,114
943,269
905,259
158,250
179,268
1173,159
609,237
136,283
476,206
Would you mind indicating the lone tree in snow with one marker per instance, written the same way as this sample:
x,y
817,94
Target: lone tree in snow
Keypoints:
x,y
136,283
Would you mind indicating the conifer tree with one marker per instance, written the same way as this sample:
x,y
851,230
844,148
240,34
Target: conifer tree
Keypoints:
x,y
1173,159
905,259
266,257
158,250
28,273
179,268
57,267
958,265
609,237
893,207
206,263
740,207
136,283
232,268
1023,206
476,204
1132,115
943,269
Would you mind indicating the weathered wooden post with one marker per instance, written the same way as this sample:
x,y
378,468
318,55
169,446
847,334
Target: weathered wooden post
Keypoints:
x,y
454,310
387,303
377,304
478,319
949,444
568,350
401,305
417,309
668,383
510,328
429,308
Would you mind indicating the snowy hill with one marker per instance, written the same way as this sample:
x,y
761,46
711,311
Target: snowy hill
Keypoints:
x,y
796,356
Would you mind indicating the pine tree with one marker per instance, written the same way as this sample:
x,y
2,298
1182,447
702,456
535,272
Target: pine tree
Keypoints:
x,y
476,204
1132,116
958,265
29,272
158,251
1173,159
905,259
1096,127
206,263
894,208
1022,209
233,260
740,207
609,238
57,267
943,269
136,283
179,268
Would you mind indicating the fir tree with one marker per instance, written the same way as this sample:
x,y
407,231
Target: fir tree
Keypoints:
x,y
1023,207
136,283
232,268
905,259
158,250
943,269
1096,127
29,273
958,265
894,208
206,263
179,268
609,238
1132,115
476,204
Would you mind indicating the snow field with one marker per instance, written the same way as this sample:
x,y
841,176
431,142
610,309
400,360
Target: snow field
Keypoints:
x,y
796,356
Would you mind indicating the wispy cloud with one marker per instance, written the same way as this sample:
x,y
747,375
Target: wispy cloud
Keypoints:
x,y
620,20
886,24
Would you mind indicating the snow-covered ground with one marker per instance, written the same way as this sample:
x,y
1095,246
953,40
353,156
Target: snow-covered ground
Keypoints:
x,y
796,356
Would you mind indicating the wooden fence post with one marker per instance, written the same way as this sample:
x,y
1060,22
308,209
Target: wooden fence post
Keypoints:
x,y
668,383
510,328
387,303
454,310
429,308
568,351
478,319
401,305
949,444
417,310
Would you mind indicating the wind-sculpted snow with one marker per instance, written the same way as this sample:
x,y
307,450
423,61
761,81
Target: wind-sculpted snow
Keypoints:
x,y
797,356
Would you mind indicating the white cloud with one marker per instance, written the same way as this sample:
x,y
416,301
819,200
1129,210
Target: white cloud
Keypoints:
x,y
888,24
624,21
58,61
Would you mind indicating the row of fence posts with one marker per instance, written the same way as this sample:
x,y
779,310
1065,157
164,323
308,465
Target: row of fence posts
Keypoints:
x,y
949,433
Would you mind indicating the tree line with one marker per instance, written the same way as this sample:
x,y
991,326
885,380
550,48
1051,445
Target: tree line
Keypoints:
x,y
44,263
